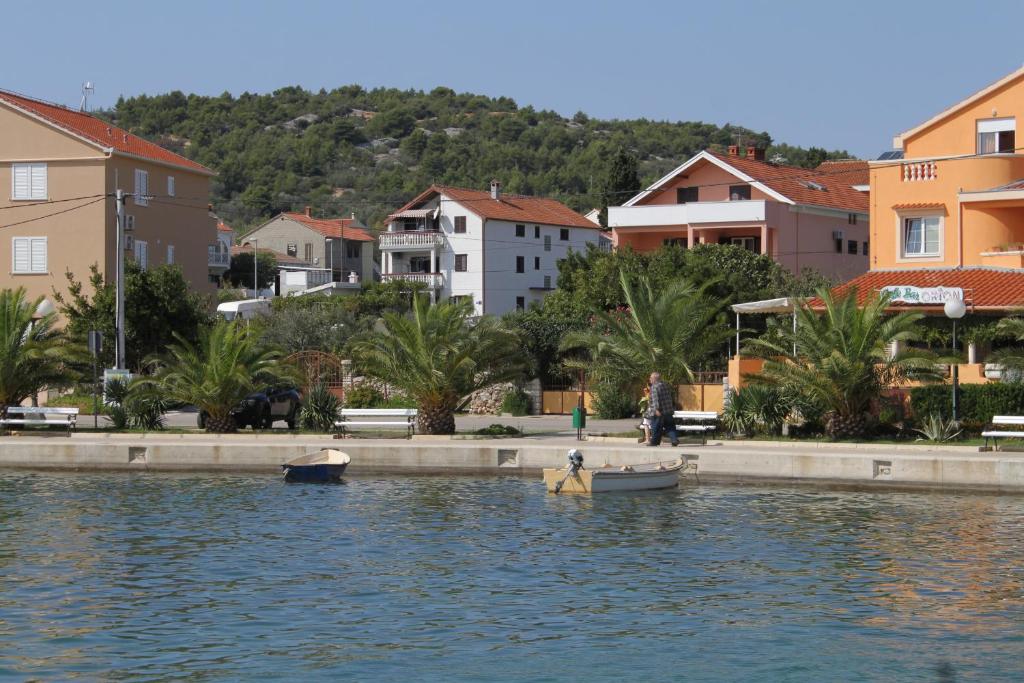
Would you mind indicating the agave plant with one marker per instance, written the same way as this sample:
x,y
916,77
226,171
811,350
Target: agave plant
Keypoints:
x,y
842,359
938,430
319,408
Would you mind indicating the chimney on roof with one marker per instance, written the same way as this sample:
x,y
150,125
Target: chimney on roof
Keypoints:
x,y
495,190
309,212
734,150
755,153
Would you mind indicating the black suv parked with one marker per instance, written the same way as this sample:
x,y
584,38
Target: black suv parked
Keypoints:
x,y
262,409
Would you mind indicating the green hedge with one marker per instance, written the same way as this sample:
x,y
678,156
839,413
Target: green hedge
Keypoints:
x,y
978,402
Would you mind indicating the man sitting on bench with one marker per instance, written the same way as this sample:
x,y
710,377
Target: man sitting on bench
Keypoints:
x,y
661,409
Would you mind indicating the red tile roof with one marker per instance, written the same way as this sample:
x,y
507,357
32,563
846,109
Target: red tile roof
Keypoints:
x,y
792,182
985,287
224,227
508,207
849,171
282,259
98,132
332,227
919,205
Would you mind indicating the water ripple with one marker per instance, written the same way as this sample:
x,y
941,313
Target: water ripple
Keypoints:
x,y
162,577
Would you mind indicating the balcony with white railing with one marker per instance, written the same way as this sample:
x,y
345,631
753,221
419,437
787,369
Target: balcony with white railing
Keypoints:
x,y
920,170
411,239
216,258
431,280
655,215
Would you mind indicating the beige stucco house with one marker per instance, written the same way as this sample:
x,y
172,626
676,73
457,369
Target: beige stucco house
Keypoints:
x,y
61,168
338,246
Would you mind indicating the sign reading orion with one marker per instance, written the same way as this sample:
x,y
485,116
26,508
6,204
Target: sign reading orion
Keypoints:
x,y
908,294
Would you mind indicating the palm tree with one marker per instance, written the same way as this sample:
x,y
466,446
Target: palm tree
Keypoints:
x,y
33,355
437,355
1012,359
216,373
843,358
668,331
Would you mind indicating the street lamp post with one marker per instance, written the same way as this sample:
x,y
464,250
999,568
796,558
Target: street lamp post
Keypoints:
x,y
954,310
255,272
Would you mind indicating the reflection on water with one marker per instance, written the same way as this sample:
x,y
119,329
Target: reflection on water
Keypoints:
x,y
157,577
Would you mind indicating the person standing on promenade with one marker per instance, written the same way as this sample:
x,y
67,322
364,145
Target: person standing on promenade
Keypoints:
x,y
662,408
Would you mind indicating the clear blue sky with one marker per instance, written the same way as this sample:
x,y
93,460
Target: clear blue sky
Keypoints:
x,y
837,75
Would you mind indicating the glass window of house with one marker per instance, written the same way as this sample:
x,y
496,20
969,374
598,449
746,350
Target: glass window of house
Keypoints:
x,y
921,236
460,224
686,194
997,136
520,231
737,192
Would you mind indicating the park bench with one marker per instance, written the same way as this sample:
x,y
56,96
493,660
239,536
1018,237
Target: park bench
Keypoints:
x,y
696,421
404,418
25,416
996,434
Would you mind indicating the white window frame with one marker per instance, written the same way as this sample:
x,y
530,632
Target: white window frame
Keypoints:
x,y
170,186
33,244
992,128
35,191
141,194
901,235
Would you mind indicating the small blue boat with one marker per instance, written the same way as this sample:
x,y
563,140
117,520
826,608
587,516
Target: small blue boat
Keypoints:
x,y
326,465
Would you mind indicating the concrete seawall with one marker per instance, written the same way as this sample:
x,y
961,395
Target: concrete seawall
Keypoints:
x,y
937,467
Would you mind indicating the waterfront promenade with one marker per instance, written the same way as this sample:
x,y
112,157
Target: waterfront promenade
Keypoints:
x,y
953,467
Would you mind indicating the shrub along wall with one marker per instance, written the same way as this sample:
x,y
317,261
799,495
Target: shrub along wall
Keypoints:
x,y
978,402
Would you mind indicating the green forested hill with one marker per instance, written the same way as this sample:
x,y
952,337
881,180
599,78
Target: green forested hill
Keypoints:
x,y
369,151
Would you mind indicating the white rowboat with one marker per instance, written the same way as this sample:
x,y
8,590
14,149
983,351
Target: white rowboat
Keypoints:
x,y
659,475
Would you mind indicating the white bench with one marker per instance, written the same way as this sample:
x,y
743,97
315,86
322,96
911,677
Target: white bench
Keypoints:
x,y
684,418
21,415
995,435
358,417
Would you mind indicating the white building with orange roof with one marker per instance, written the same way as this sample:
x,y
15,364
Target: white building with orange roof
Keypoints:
x,y
499,251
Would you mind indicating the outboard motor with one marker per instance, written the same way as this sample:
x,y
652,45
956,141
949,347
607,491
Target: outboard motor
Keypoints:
x,y
575,465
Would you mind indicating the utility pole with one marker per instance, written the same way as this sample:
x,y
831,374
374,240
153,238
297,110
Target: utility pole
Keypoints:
x,y
119,359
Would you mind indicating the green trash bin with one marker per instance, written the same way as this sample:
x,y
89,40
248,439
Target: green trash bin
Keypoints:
x,y
579,418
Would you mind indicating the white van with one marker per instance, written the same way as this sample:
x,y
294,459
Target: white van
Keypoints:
x,y
244,309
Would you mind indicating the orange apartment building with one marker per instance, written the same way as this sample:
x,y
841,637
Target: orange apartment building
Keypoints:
x,y
802,218
947,219
61,168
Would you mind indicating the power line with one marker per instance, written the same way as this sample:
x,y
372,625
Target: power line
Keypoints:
x,y
56,213
25,205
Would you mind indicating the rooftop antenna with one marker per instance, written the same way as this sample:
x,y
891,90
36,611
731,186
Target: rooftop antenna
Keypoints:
x,y
87,89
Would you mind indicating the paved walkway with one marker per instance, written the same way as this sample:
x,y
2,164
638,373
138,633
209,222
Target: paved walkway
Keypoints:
x,y
531,424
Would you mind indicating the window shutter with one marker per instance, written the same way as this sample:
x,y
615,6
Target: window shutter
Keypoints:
x,y
38,249
21,250
21,181
142,254
141,187
39,181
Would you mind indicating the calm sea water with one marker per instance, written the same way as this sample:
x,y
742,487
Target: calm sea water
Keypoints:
x,y
162,577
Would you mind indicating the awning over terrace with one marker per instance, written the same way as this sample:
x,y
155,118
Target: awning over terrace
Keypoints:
x,y
766,307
